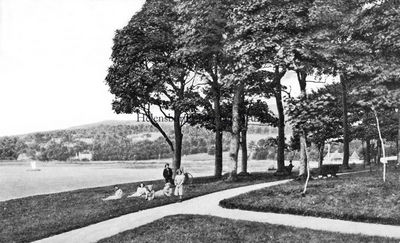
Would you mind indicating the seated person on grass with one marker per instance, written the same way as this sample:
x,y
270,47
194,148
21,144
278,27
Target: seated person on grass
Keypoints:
x,y
141,191
165,192
117,195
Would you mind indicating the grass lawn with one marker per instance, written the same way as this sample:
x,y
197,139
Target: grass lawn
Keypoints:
x,y
37,217
199,228
357,197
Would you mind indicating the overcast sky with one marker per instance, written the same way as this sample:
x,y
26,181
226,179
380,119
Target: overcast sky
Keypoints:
x,y
54,56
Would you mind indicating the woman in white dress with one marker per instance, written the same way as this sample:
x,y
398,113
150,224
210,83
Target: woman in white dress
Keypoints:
x,y
179,180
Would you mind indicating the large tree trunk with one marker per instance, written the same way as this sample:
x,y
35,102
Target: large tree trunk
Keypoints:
x,y
378,151
301,77
176,164
235,141
281,130
244,125
244,150
367,152
346,132
218,129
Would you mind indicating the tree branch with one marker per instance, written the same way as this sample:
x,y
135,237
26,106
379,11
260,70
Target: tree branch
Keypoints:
x,y
162,111
156,125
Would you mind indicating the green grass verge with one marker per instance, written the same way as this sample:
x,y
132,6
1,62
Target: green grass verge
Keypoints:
x,y
198,228
37,217
360,197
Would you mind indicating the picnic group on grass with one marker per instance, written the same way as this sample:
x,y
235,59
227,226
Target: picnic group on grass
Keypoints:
x,y
148,193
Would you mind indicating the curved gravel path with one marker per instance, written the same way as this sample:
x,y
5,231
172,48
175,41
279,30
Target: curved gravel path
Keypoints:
x,y
208,205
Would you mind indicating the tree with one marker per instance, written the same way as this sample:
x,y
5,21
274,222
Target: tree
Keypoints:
x,y
343,48
377,26
319,118
203,27
11,147
146,72
267,32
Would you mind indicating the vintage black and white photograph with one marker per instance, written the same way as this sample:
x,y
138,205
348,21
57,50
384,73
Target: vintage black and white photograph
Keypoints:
x,y
199,121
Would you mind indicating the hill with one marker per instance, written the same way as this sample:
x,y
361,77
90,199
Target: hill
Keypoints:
x,y
114,140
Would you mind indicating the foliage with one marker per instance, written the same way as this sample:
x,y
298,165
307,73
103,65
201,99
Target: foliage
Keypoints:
x,y
119,141
319,115
11,147
146,71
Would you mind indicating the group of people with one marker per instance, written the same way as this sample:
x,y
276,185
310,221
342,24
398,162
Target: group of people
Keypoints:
x,y
148,193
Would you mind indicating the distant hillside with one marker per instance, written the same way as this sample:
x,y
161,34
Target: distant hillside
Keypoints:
x,y
107,123
115,140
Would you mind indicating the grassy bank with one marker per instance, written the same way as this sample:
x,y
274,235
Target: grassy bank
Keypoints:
x,y
37,217
357,197
196,228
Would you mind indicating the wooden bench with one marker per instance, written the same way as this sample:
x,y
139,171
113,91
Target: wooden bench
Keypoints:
x,y
329,169
289,168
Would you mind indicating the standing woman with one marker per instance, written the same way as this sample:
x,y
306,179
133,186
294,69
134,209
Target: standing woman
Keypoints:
x,y
179,179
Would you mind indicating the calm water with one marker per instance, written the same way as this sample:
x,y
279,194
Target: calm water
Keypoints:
x,y
18,180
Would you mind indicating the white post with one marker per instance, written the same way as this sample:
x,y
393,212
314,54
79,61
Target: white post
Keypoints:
x,y
384,161
33,165
308,169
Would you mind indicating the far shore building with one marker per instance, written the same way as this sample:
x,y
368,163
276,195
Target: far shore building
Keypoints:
x,y
24,157
354,156
337,158
84,155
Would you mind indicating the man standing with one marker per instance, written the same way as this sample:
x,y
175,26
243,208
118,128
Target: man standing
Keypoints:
x,y
167,173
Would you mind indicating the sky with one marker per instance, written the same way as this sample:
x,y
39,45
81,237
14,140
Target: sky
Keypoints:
x,y
54,56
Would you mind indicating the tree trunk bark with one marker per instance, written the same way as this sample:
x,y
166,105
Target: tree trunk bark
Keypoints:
x,y
281,130
218,129
244,125
244,150
346,132
368,151
398,137
176,164
378,152
301,77
235,141
321,154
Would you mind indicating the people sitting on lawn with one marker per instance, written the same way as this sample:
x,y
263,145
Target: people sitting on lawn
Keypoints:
x,y
179,180
141,191
117,194
165,192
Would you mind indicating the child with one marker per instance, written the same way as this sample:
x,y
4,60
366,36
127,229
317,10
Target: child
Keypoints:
x,y
117,195
140,191
165,192
179,179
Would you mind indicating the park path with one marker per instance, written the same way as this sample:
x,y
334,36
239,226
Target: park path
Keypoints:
x,y
209,205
